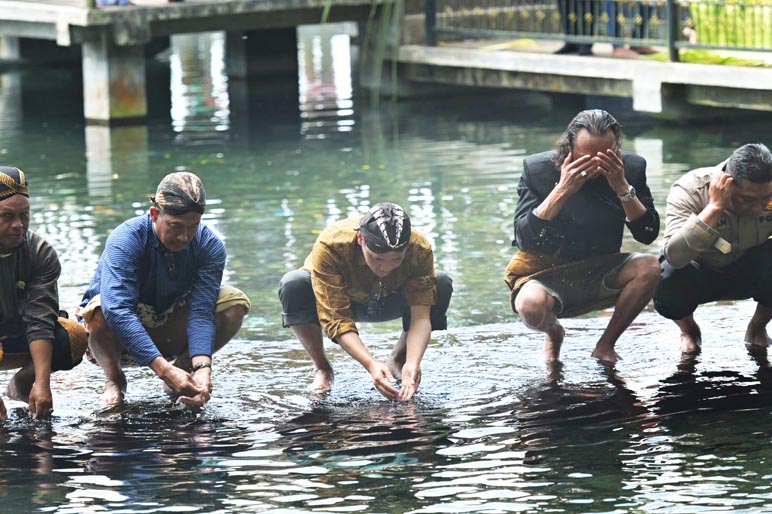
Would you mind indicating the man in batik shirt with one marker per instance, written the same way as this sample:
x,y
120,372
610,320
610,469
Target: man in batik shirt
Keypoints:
x,y
33,336
156,298
369,268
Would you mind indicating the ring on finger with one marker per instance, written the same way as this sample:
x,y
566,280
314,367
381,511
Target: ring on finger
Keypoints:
x,y
583,174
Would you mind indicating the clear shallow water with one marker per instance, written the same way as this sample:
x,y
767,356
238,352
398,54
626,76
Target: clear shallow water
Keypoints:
x,y
492,430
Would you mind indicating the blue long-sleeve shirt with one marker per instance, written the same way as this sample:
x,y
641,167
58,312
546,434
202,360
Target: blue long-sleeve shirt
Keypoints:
x,y
136,268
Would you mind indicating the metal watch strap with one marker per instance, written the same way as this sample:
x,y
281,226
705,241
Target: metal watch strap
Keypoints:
x,y
629,195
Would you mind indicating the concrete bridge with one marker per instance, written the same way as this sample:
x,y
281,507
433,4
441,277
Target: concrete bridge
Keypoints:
x,y
261,36
261,39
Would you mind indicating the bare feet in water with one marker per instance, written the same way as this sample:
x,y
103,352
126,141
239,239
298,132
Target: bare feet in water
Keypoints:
x,y
553,340
606,355
19,387
758,338
114,392
395,368
323,380
691,342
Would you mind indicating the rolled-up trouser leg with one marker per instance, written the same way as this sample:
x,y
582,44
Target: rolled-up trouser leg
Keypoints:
x,y
298,303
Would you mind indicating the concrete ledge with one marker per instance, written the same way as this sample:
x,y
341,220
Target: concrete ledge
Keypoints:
x,y
642,80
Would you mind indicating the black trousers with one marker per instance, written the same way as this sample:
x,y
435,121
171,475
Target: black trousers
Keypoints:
x,y
298,303
681,291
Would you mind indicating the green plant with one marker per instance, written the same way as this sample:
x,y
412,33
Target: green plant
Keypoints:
x,y
746,24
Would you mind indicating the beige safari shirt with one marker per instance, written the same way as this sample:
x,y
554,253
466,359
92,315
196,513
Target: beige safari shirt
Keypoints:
x,y
339,276
687,238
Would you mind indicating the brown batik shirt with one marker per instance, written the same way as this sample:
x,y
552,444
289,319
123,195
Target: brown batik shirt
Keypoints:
x,y
340,276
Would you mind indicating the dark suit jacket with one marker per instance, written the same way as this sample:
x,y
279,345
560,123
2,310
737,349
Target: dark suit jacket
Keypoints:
x,y
592,220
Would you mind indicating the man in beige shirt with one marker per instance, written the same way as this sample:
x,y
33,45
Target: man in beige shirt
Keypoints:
x,y
716,243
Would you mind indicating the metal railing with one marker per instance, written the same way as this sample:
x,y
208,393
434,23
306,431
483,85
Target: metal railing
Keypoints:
x,y
675,24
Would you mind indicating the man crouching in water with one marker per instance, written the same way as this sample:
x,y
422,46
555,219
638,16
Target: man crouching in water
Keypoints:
x,y
575,203
32,335
371,268
156,298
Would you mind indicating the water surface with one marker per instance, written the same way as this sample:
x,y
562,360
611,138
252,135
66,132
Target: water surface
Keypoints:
x,y
493,429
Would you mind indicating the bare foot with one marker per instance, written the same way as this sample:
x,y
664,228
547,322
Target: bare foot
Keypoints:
x,y
323,380
606,354
114,392
18,389
395,368
691,343
553,340
757,337
20,385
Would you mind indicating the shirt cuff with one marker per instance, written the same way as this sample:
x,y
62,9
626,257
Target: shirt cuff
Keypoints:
x,y
645,223
36,333
540,227
699,235
337,328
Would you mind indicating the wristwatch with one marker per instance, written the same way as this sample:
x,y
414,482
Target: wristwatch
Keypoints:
x,y
629,196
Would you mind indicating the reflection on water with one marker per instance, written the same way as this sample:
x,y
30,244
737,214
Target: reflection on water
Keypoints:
x,y
326,90
492,429
200,111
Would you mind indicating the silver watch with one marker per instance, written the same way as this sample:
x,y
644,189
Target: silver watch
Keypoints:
x,y
629,196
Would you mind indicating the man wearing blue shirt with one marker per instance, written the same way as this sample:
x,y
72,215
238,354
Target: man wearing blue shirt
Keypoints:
x,y
156,296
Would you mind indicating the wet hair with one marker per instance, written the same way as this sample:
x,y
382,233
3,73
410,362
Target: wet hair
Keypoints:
x,y
180,193
386,228
595,121
751,162
12,182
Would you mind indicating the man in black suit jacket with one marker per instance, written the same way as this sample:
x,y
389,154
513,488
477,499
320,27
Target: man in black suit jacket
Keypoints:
x,y
574,204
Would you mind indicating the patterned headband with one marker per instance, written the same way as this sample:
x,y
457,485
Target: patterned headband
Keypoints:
x,y
12,182
180,193
385,215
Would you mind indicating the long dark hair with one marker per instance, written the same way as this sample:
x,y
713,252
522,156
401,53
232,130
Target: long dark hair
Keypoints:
x,y
595,121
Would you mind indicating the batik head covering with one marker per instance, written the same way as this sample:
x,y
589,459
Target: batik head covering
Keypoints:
x,y
180,193
386,228
12,182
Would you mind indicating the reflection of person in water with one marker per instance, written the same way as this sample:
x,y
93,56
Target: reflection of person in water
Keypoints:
x,y
708,404
387,438
556,410
174,450
29,473
563,429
